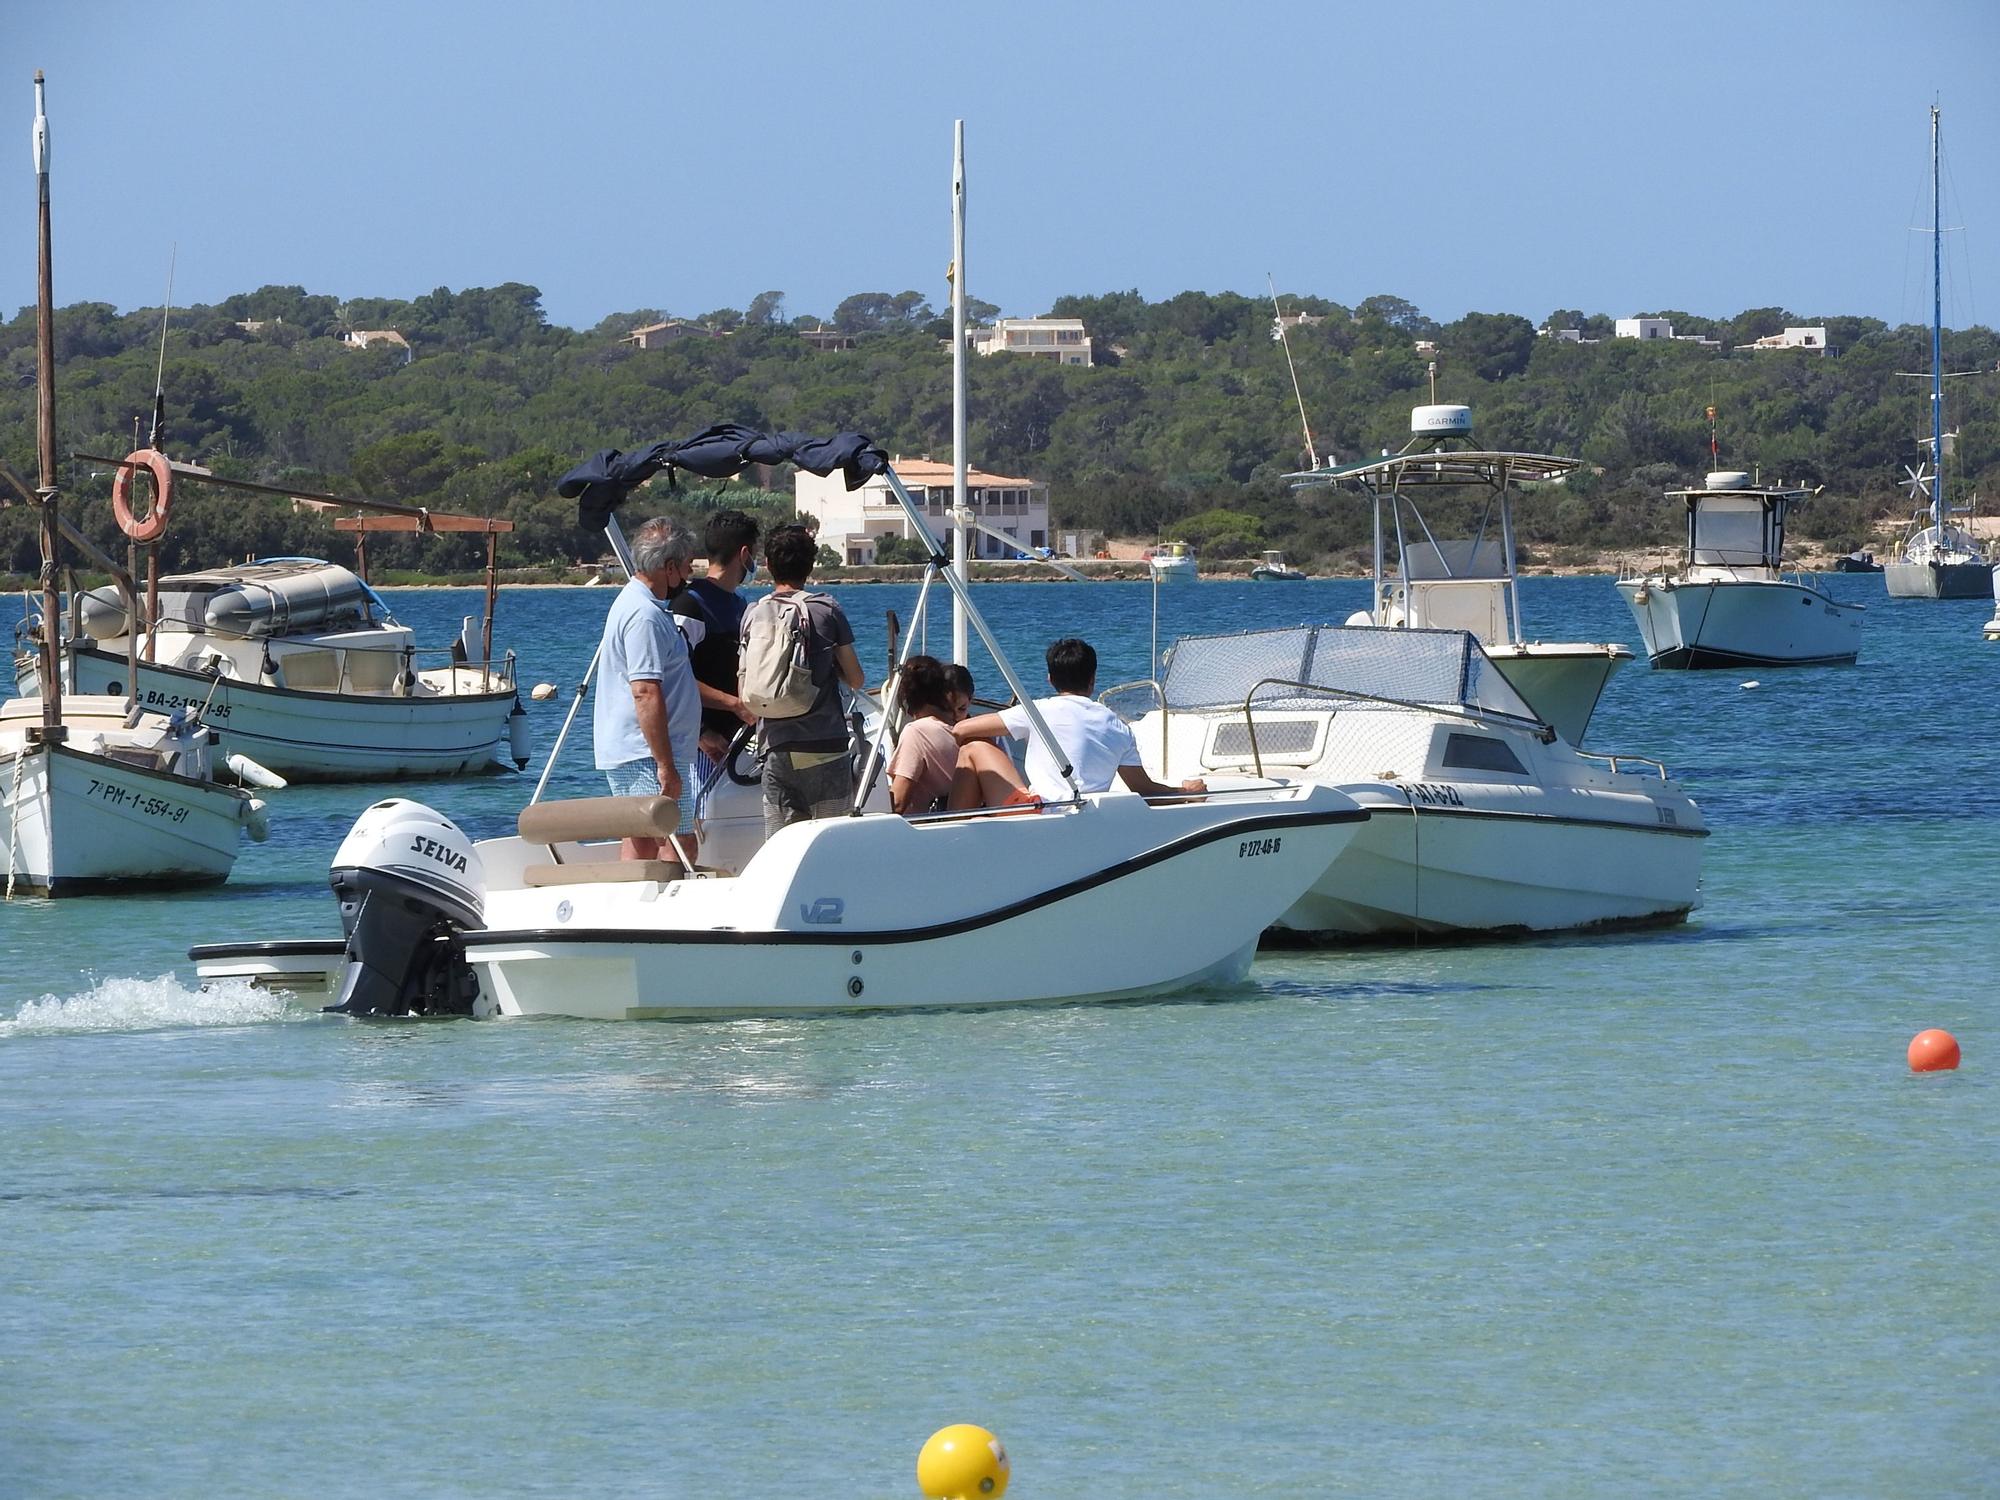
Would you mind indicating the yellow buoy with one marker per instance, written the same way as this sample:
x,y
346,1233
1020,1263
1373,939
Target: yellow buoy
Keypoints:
x,y
962,1462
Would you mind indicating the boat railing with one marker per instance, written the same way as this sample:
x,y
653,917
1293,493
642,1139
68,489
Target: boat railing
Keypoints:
x,y
1543,732
1617,763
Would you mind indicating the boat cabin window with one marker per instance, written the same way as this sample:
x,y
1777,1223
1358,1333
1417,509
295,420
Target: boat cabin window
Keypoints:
x,y
1729,533
1478,752
1459,557
1292,741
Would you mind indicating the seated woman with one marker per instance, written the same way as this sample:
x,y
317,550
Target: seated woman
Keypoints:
x,y
929,766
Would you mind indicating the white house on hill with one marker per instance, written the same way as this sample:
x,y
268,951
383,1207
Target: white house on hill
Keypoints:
x,y
853,521
1060,339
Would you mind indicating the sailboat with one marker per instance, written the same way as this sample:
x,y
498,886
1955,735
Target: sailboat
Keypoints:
x,y
98,792
1468,583
1936,560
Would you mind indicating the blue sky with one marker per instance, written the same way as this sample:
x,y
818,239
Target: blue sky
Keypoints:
x,y
1500,157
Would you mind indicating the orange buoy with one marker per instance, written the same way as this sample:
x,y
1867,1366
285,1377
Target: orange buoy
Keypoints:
x,y
1933,1051
155,523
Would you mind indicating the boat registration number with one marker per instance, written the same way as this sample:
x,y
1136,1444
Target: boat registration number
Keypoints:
x,y
125,797
1434,795
1254,848
208,709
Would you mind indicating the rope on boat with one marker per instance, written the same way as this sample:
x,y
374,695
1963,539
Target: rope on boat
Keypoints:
x,y
14,817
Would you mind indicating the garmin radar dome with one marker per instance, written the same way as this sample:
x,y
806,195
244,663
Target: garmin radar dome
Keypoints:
x,y
409,884
1441,421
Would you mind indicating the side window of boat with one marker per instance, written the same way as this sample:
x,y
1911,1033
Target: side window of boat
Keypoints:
x,y
1478,752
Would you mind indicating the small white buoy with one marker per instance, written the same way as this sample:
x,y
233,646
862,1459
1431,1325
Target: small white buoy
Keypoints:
x,y
541,692
1753,683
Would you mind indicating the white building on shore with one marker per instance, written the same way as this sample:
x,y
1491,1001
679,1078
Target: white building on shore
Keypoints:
x,y
1060,339
1813,339
853,521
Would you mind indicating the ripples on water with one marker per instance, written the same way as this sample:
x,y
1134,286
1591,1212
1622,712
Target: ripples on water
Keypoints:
x,y
1651,1212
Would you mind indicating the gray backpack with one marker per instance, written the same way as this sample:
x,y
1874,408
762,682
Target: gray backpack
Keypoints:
x,y
775,672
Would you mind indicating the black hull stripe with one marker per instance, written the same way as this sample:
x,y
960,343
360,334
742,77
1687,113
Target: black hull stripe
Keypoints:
x,y
1700,658
328,948
295,948
849,937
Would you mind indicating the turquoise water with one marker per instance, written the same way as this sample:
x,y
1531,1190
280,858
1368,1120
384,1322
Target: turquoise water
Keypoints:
x,y
1661,1213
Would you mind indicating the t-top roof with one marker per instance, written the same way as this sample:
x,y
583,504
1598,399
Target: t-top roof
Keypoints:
x,y
1438,467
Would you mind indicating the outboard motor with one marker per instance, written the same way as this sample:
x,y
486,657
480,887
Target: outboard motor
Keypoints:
x,y
409,882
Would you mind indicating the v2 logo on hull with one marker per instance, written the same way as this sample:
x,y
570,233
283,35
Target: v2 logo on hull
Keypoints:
x,y
827,911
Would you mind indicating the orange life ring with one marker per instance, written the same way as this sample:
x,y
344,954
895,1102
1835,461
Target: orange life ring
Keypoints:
x,y
154,525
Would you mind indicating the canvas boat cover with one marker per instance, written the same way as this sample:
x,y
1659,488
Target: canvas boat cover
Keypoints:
x,y
601,483
1424,668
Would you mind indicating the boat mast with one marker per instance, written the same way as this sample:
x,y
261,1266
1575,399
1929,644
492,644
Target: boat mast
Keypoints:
x,y
1937,344
45,428
958,460
1312,453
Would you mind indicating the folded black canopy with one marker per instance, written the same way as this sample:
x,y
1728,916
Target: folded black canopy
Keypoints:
x,y
600,484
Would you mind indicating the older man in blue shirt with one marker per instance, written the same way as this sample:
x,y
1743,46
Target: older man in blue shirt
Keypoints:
x,y
647,717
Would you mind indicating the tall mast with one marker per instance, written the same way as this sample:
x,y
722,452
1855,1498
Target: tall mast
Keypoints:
x,y
1937,343
959,643
45,426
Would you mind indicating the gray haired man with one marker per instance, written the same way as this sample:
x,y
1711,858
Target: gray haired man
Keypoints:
x,y
648,710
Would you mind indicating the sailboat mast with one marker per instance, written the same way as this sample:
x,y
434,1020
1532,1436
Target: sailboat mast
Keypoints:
x,y
1937,343
45,428
959,642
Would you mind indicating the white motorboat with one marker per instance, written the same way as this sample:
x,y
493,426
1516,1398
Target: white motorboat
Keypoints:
x,y
1728,601
1274,569
1936,558
121,798
1173,562
1484,821
1086,898
1470,582
299,664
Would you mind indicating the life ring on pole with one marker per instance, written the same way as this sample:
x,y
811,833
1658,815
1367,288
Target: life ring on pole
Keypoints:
x,y
154,524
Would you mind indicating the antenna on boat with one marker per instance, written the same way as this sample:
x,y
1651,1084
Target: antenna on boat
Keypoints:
x,y
1431,370
1299,396
959,641
160,373
1714,452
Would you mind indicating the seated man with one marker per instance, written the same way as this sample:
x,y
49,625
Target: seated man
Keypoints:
x,y
1097,743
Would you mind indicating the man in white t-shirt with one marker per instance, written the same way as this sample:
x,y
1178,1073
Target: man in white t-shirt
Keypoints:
x,y
1098,744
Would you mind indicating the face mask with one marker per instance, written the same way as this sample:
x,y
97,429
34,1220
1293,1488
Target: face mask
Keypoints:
x,y
750,570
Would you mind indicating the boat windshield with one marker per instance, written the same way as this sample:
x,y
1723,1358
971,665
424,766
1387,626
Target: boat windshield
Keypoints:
x,y
1419,668
1730,533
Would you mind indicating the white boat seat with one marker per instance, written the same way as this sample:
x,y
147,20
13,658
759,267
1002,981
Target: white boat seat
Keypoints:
x,y
310,671
574,820
600,872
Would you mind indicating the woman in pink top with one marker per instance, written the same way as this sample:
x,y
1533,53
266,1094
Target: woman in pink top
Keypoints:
x,y
929,766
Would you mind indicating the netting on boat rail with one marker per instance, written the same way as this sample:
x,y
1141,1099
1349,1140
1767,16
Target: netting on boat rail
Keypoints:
x,y
1431,668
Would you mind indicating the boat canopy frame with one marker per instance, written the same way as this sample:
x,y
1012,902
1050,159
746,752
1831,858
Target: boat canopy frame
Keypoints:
x,y
1428,462
603,482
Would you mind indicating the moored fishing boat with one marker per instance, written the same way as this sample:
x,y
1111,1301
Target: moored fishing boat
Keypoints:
x,y
1086,897
1173,562
1468,582
1728,601
1274,569
300,665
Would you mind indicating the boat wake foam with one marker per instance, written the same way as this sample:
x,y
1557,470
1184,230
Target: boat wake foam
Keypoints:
x,y
144,1005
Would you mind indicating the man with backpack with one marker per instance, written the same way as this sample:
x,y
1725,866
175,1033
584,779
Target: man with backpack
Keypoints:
x,y
797,648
